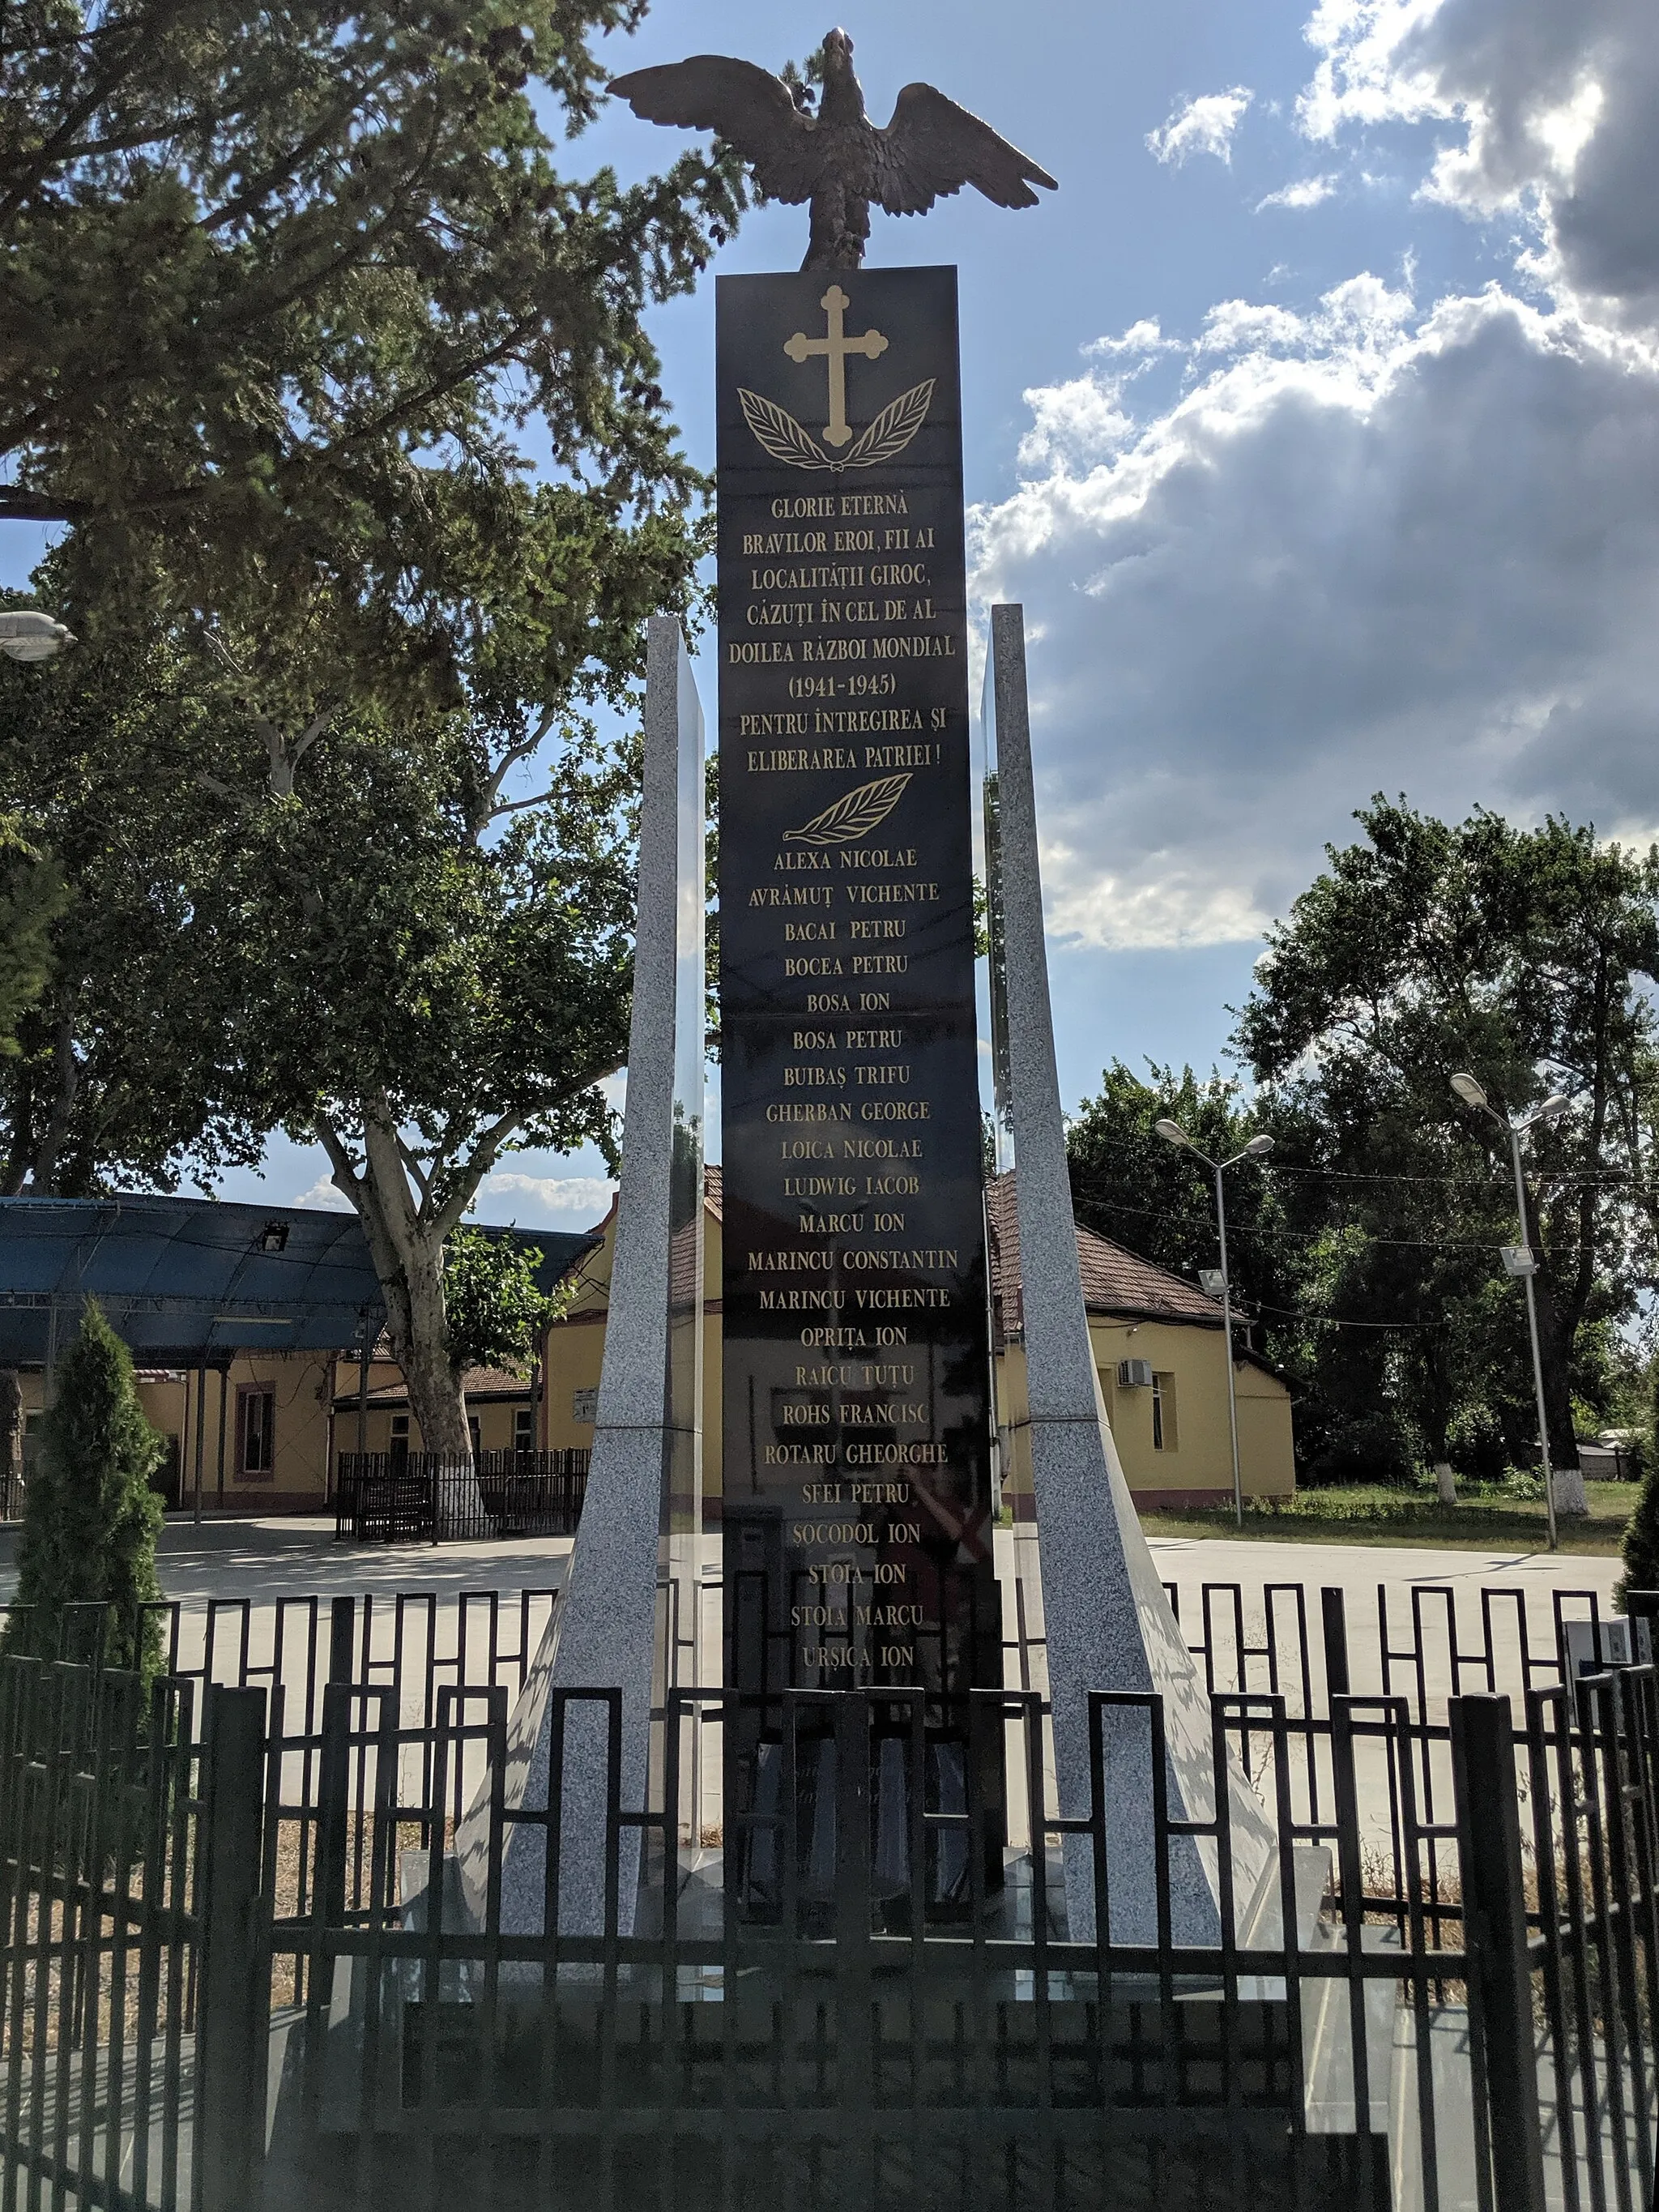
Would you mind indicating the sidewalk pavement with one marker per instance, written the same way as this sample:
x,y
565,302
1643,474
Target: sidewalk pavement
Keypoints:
x,y
296,1556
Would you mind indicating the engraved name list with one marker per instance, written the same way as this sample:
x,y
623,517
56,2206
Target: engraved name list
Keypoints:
x,y
856,1487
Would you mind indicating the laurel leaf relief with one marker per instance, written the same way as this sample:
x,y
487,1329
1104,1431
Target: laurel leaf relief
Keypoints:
x,y
853,815
893,428
779,433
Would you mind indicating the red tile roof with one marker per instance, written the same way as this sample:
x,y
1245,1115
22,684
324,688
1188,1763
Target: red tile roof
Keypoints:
x,y
476,1383
1115,1281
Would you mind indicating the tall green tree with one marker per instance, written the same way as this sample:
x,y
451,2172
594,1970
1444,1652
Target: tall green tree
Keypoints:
x,y
286,296
32,896
1522,956
429,972
90,1518
390,957
117,1080
1127,1183
328,748
495,1308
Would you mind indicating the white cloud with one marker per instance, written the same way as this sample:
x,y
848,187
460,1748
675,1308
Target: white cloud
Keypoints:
x,y
1202,126
1144,338
1557,102
588,1196
1306,193
1074,424
323,1192
1373,546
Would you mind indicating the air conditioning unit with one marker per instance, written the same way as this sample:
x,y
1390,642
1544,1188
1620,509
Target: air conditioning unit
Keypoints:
x,y
1623,1643
1134,1374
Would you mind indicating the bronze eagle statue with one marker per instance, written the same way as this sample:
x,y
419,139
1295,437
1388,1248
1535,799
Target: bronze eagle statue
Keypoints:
x,y
836,159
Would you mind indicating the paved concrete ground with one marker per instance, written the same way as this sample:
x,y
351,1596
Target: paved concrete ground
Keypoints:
x,y
1407,1579
297,1557
273,1563
296,1554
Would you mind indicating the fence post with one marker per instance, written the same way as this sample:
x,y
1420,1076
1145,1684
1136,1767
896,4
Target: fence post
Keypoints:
x,y
341,1622
1333,1616
231,2015
1496,1939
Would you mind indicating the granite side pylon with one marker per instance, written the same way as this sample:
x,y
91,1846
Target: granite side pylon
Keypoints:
x,y
647,1458
1106,1619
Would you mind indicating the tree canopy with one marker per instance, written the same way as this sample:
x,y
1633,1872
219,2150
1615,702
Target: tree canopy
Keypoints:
x,y
32,896
1367,1245
288,300
342,383
494,1308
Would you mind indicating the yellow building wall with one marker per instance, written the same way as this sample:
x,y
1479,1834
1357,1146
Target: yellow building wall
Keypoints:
x,y
1197,1451
574,1350
1195,1463
494,1416
302,1384
1195,1460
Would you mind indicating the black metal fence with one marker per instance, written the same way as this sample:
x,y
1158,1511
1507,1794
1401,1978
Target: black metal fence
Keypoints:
x,y
400,1498
237,1956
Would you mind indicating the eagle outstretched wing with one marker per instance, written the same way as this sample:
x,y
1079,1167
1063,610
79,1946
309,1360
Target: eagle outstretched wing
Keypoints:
x,y
746,105
932,148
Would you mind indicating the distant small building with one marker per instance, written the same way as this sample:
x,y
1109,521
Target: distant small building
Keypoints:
x,y
265,1428
1158,1346
1160,1351
246,1324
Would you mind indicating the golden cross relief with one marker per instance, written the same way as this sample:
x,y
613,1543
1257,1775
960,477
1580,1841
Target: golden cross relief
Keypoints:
x,y
835,349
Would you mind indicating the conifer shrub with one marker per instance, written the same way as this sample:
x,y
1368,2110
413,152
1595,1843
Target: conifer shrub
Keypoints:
x,y
1641,1546
90,1518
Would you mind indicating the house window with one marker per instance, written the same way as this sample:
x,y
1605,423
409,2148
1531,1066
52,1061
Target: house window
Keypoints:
x,y
255,1434
398,1453
1164,1413
524,1428
472,1433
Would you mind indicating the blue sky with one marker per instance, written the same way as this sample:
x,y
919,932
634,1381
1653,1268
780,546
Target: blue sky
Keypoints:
x,y
1315,420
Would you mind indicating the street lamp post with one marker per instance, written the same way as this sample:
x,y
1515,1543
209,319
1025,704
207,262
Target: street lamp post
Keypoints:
x,y
1173,1133
1525,1262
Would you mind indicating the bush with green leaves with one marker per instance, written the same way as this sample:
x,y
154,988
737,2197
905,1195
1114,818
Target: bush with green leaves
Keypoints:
x,y
494,1310
90,1518
1641,1545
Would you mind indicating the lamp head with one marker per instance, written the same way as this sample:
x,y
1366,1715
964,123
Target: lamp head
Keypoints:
x,y
1172,1132
1259,1147
1470,1091
1552,1108
26,634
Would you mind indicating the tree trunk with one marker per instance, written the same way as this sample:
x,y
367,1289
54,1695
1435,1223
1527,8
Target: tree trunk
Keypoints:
x,y
11,1429
408,1259
419,1347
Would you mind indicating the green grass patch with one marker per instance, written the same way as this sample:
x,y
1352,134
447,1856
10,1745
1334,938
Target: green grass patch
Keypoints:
x,y
1500,1519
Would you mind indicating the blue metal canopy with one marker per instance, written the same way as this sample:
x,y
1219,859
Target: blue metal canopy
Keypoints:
x,y
184,1281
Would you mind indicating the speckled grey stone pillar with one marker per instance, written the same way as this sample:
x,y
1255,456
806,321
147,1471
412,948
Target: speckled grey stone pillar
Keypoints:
x,y
603,1634
1108,1623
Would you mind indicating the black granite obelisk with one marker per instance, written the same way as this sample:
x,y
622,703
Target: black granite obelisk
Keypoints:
x,y
857,1486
